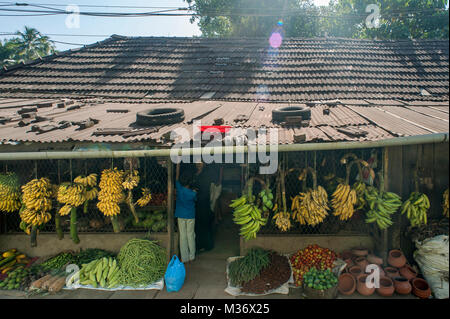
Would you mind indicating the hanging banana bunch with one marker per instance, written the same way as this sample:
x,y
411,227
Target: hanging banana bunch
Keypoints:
x,y
344,197
248,211
416,208
37,202
9,192
71,195
281,215
111,194
145,198
382,205
445,203
130,181
91,191
310,207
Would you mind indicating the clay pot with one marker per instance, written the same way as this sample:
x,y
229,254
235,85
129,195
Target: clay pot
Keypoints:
x,y
396,258
355,271
362,287
362,262
347,254
402,285
371,258
346,284
408,272
420,288
391,272
387,288
360,252
349,263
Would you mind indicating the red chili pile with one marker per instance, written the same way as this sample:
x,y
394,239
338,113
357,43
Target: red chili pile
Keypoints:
x,y
311,256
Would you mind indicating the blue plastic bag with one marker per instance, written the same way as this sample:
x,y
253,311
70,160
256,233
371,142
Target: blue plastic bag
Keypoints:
x,y
175,275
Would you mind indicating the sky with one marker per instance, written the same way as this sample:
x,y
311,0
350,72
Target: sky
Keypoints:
x,y
104,27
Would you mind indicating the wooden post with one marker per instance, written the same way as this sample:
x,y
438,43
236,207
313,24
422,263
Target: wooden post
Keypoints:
x,y
170,209
385,233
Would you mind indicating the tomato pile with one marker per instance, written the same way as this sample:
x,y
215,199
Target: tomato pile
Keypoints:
x,y
312,256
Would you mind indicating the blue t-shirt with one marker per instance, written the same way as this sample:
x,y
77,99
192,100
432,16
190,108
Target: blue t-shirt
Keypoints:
x,y
185,204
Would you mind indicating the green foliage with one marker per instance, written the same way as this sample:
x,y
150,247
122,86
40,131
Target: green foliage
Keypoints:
x,y
399,19
28,45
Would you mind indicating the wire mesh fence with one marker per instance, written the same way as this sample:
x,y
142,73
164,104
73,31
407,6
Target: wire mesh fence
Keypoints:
x,y
152,175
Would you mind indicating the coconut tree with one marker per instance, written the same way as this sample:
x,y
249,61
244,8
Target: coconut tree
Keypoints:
x,y
31,44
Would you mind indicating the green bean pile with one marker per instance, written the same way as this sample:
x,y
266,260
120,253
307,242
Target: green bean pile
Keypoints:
x,y
142,262
57,262
248,267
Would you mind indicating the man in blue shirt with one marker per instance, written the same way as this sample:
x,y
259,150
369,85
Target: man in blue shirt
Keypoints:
x,y
185,212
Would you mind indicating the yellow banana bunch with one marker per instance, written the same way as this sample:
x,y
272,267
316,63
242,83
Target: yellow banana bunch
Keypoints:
x,y
72,194
90,180
145,198
310,208
416,208
37,200
131,179
344,199
445,203
9,192
282,220
111,192
360,189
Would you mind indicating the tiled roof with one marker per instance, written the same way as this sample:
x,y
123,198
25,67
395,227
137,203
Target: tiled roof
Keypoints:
x,y
379,119
145,68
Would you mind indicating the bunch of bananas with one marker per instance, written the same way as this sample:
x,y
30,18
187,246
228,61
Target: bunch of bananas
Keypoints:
x,y
37,200
71,195
416,208
445,203
247,214
103,272
310,208
382,205
111,192
9,192
131,179
344,199
282,219
145,198
86,181
360,188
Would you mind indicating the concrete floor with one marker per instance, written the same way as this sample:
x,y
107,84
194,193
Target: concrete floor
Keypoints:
x,y
205,279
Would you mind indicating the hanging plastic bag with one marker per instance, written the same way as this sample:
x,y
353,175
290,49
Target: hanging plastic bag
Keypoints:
x,y
175,275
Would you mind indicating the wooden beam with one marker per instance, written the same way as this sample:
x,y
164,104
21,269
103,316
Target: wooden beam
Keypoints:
x,y
170,209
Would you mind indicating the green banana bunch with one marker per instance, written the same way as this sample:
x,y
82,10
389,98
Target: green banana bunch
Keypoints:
x,y
416,208
360,189
249,214
103,272
382,205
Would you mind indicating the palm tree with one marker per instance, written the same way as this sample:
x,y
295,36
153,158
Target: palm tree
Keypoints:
x,y
31,44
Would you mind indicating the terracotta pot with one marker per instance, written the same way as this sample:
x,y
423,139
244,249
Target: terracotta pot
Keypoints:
x,y
391,272
362,262
387,288
347,254
362,287
420,288
346,284
396,258
349,263
371,258
360,252
408,272
402,285
355,271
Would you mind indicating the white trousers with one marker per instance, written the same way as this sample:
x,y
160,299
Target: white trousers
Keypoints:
x,y
186,228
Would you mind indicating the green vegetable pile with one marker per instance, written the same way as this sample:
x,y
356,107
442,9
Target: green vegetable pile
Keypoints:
x,y
142,262
248,267
320,279
57,262
91,254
